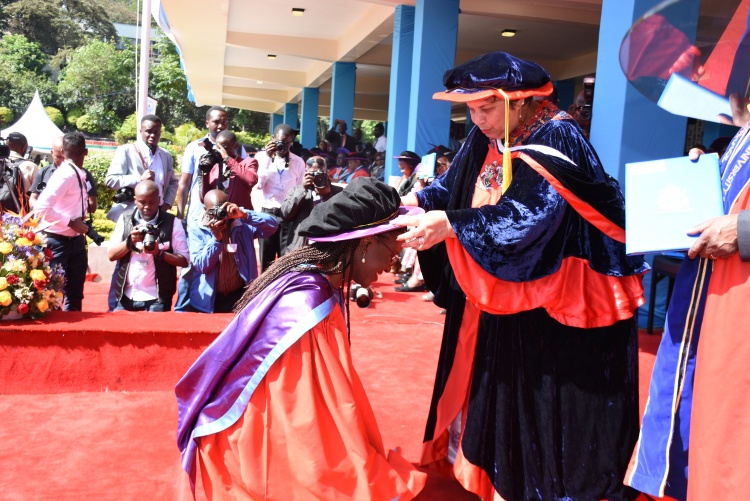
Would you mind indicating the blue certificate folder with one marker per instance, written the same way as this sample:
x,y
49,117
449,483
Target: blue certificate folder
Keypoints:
x,y
665,198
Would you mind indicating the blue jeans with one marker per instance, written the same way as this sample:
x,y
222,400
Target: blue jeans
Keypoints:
x,y
153,305
70,253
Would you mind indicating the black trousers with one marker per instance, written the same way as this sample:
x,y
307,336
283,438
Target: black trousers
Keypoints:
x,y
272,247
70,253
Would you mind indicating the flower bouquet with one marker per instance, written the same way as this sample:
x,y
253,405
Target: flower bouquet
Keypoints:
x,y
29,287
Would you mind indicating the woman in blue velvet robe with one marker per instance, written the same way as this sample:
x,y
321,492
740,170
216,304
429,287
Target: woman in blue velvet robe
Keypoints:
x,y
536,393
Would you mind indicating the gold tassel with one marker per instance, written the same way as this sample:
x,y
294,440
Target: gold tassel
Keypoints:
x,y
507,167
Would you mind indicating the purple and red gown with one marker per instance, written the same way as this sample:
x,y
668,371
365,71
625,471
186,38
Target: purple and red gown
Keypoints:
x,y
273,409
696,427
536,392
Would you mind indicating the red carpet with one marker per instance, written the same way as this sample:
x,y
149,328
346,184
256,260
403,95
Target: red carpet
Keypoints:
x,y
117,441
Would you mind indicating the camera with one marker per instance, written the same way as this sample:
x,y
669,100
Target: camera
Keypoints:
x,y
279,144
211,157
124,195
588,97
150,235
320,179
92,233
218,213
4,148
361,295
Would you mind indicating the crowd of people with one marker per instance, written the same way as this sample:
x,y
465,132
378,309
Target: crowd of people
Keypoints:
x,y
518,235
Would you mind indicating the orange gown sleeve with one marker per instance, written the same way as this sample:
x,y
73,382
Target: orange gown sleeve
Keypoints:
x,y
308,433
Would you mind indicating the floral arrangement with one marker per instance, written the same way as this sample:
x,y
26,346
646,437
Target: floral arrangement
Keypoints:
x,y
29,287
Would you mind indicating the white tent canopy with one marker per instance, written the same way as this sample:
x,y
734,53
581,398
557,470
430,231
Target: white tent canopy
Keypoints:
x,y
36,125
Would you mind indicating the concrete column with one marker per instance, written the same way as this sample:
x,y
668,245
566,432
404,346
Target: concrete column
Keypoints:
x,y
343,82
400,90
435,32
291,115
309,128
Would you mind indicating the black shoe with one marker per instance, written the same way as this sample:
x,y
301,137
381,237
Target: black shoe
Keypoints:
x,y
416,288
401,279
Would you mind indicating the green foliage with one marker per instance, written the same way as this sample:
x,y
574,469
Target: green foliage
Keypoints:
x,y
173,150
87,123
128,130
6,116
187,133
167,84
55,115
97,162
102,225
246,120
17,54
99,78
366,127
56,24
73,115
259,140
167,136
17,89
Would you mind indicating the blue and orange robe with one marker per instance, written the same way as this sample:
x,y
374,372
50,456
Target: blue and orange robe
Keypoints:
x,y
274,409
536,392
696,427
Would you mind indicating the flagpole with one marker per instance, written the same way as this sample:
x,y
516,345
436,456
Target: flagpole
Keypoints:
x,y
142,104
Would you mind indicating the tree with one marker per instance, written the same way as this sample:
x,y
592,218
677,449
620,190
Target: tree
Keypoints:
x,y
168,85
55,115
17,89
6,116
99,79
18,54
57,24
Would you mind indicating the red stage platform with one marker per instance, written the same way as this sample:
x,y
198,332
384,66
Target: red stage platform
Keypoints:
x,y
89,411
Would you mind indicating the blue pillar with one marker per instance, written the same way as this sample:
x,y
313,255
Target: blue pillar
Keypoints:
x,y
276,119
627,127
400,90
566,93
309,128
343,82
291,115
435,32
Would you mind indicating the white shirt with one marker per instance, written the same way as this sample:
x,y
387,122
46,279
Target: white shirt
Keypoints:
x,y
63,199
140,283
276,179
154,163
380,143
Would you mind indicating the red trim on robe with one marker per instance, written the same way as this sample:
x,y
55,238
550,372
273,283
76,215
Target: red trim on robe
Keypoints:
x,y
719,458
583,208
308,432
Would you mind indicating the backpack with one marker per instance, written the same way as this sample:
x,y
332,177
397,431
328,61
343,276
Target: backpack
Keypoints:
x,y
12,195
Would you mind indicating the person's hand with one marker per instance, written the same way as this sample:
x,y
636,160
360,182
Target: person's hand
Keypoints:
x,y
740,112
136,236
308,181
429,229
718,238
695,153
156,250
234,211
410,200
217,228
688,64
148,175
221,150
271,149
78,225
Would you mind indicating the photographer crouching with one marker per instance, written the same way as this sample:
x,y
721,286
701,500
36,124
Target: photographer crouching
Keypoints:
x,y
222,253
315,188
149,247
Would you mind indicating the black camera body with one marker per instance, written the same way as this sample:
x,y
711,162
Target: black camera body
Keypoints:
x,y
150,234
4,148
279,144
124,195
92,233
588,97
210,158
218,213
320,179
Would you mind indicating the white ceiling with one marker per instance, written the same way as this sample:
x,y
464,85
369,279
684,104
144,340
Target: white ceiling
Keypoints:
x,y
225,48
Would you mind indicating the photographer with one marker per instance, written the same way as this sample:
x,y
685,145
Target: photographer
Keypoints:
x,y
149,247
63,203
43,176
300,201
223,168
222,253
142,161
279,171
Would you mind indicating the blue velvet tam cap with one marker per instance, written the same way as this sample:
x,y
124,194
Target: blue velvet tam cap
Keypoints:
x,y
488,74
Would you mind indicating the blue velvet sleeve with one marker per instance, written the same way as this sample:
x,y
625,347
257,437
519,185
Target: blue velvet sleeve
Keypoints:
x,y
509,239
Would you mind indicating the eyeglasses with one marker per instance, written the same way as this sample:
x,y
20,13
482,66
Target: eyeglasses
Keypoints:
x,y
394,255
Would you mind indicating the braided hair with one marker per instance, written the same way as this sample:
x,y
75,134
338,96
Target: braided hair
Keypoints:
x,y
325,257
